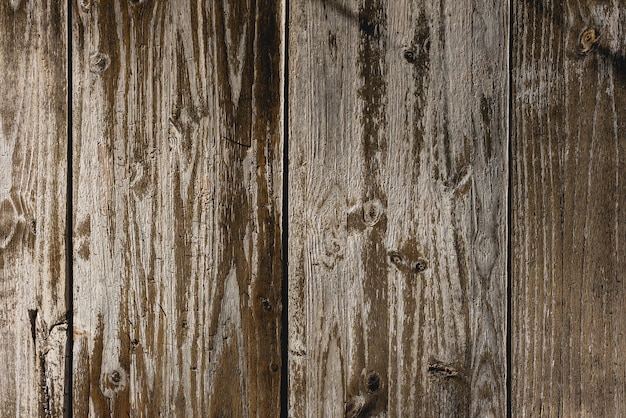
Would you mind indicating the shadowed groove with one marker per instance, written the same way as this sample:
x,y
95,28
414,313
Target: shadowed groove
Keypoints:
x,y
69,243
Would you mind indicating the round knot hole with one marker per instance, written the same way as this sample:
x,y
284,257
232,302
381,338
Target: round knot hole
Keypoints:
x,y
116,377
421,265
409,55
113,382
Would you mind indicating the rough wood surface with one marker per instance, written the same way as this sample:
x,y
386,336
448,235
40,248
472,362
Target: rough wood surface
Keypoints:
x,y
178,173
33,148
568,220
397,227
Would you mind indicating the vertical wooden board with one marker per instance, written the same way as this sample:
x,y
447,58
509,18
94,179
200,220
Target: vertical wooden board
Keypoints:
x,y
33,148
398,130
568,176
178,183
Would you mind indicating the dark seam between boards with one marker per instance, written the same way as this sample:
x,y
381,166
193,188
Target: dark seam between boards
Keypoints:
x,y
284,343
509,216
69,244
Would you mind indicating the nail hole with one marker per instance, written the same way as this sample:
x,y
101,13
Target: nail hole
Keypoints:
x,y
421,265
373,382
274,367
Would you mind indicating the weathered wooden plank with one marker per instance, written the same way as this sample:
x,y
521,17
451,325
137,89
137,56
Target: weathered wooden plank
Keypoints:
x,y
178,143
568,176
33,148
398,187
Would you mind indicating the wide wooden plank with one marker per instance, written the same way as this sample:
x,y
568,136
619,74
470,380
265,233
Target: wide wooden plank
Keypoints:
x,y
33,185
568,202
398,137
178,144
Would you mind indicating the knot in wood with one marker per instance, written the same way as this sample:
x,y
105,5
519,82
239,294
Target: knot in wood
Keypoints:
x,y
588,39
333,248
113,382
372,212
373,382
396,258
98,62
409,55
421,265
116,377
85,5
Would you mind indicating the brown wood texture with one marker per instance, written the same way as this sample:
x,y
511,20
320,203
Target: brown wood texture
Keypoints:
x,y
178,181
398,115
568,221
399,156
33,173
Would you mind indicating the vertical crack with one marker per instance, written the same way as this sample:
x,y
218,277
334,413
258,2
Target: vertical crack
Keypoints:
x,y
32,315
284,342
45,405
69,249
509,260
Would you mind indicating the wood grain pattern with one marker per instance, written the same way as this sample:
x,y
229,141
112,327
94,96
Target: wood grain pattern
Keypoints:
x,y
398,133
569,171
398,187
178,144
33,147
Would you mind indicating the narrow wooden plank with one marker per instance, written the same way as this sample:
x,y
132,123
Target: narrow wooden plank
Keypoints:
x,y
398,193
33,148
178,181
569,171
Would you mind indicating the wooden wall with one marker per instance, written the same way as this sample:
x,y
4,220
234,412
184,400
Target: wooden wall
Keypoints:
x,y
568,219
33,202
305,208
398,206
177,176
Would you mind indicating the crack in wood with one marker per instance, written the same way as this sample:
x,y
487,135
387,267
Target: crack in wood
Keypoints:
x,y
444,371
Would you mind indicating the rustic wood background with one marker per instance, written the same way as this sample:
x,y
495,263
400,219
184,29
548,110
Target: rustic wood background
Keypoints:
x,y
305,208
